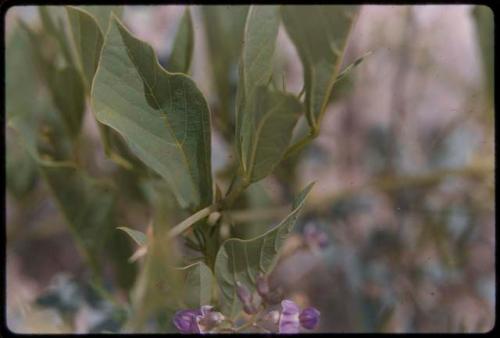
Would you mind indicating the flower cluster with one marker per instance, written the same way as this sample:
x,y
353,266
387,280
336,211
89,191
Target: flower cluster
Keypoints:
x,y
291,318
288,319
201,320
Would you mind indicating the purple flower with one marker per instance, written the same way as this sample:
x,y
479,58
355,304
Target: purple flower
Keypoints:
x,y
197,320
314,237
309,318
291,319
185,321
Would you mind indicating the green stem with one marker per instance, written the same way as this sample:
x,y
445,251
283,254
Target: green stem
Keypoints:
x,y
185,224
313,133
234,191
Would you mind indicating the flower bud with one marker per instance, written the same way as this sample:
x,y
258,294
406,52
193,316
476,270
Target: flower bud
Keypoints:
x,y
243,293
262,286
309,318
249,308
185,321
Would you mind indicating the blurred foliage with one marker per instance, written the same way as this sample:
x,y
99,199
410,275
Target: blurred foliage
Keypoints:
x,y
483,18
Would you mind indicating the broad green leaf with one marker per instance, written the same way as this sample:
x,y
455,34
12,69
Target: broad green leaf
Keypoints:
x,y
268,131
139,237
21,170
265,119
88,25
88,39
259,42
102,13
320,34
483,17
242,260
182,52
61,79
224,26
68,94
85,204
19,72
198,285
52,18
164,117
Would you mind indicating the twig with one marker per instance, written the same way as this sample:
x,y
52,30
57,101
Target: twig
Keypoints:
x,y
185,224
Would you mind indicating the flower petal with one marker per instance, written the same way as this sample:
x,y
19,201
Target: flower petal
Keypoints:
x,y
289,319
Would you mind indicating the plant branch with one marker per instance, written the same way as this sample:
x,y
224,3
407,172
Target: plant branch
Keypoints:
x,y
238,185
185,224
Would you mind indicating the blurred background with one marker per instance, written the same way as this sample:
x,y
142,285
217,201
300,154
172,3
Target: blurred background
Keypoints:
x,y
404,166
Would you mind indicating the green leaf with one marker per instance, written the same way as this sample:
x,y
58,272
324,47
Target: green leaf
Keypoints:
x,y
259,42
164,117
68,95
483,18
139,237
61,78
224,26
320,36
21,170
182,52
102,13
265,119
88,25
242,260
198,285
52,18
85,203
19,72
88,40
269,131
